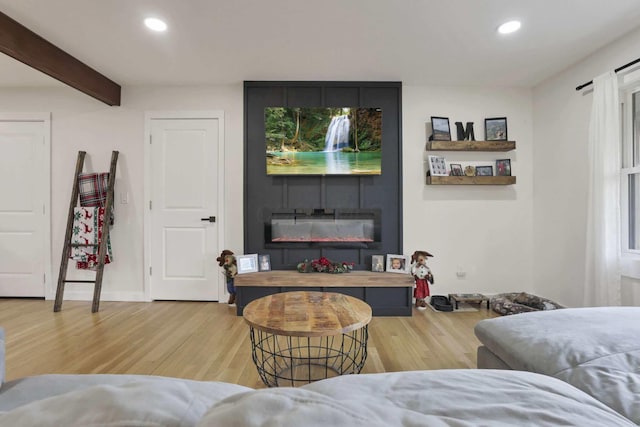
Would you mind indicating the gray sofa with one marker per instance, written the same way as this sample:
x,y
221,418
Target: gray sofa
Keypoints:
x,y
433,398
596,350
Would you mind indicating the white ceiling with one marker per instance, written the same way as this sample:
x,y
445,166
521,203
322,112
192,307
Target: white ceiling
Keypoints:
x,y
418,42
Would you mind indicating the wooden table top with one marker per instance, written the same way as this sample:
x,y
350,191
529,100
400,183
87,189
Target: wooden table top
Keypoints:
x,y
307,314
278,278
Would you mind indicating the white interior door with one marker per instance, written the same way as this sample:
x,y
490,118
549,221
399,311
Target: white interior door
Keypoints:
x,y
184,190
24,186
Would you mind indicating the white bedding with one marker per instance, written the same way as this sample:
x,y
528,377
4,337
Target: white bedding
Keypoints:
x,y
1,356
423,398
595,349
138,401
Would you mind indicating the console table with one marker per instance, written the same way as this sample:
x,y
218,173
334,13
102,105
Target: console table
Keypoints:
x,y
388,294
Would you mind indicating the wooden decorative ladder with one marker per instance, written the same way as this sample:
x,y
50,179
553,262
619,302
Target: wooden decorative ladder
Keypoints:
x,y
102,250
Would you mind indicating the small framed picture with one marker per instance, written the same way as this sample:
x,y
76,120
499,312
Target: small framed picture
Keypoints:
x,y
397,264
495,129
503,167
437,166
264,262
484,170
441,130
377,263
456,169
247,263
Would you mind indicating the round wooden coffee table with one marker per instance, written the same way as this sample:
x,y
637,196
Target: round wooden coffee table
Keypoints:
x,y
301,337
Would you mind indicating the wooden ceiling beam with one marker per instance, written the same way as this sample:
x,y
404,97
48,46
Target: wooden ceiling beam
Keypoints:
x,y
22,44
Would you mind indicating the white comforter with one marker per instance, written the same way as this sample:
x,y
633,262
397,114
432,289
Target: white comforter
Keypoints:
x,y
422,398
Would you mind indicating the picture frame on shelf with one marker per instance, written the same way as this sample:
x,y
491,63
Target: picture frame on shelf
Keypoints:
x,y
484,170
440,130
437,166
397,264
264,262
377,263
495,129
456,169
503,167
247,263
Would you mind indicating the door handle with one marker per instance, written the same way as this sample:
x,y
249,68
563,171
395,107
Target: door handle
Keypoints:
x,y
210,219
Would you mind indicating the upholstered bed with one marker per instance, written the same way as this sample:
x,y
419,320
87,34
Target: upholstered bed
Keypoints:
x,y
597,350
458,398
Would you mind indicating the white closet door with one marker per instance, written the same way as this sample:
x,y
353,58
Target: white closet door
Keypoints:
x,y
184,191
24,185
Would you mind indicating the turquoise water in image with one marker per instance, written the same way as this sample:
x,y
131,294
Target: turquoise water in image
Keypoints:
x,y
325,163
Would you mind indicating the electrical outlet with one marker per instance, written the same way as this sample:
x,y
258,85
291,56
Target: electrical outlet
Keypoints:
x,y
124,198
460,273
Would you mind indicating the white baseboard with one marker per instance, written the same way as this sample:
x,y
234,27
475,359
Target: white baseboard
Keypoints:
x,y
121,296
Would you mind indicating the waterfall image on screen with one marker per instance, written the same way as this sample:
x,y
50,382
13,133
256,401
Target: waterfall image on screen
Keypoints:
x,y
323,141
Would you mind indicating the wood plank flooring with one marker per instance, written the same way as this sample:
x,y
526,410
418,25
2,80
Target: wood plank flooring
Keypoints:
x,y
203,341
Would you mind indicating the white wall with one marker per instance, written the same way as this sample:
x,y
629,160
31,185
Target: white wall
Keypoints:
x,y
81,123
529,236
561,121
487,231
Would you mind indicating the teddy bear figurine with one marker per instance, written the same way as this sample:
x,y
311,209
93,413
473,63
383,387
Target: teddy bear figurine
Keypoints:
x,y
423,277
227,261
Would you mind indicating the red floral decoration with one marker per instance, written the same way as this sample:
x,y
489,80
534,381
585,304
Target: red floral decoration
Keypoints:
x,y
324,265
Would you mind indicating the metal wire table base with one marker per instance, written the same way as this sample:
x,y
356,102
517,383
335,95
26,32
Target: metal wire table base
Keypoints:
x,y
294,361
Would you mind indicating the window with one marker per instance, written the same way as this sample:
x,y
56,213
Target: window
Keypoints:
x,y
631,170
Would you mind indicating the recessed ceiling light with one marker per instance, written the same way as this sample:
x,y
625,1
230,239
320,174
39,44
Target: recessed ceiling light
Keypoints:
x,y
155,24
509,27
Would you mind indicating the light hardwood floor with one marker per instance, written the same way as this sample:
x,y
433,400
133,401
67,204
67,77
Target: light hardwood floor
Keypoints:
x,y
203,341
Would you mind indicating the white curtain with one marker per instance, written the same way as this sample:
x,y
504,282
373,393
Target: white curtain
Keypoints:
x,y
602,284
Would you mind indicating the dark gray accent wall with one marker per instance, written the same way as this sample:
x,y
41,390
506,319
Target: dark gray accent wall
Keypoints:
x,y
262,192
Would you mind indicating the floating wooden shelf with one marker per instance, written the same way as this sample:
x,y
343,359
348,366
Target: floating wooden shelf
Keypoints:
x,y
471,180
471,145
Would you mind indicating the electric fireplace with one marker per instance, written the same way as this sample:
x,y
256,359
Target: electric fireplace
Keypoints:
x,y
344,228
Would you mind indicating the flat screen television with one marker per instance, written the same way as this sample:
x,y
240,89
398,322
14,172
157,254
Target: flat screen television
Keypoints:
x,y
323,141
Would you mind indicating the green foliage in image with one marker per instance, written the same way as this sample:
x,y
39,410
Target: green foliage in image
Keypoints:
x,y
305,129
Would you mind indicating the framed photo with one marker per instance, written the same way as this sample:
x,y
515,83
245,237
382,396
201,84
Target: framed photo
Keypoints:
x,y
397,264
456,169
264,262
247,263
437,166
440,128
377,263
503,167
484,170
495,129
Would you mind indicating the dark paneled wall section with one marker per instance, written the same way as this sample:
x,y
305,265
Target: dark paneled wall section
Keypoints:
x,y
264,193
